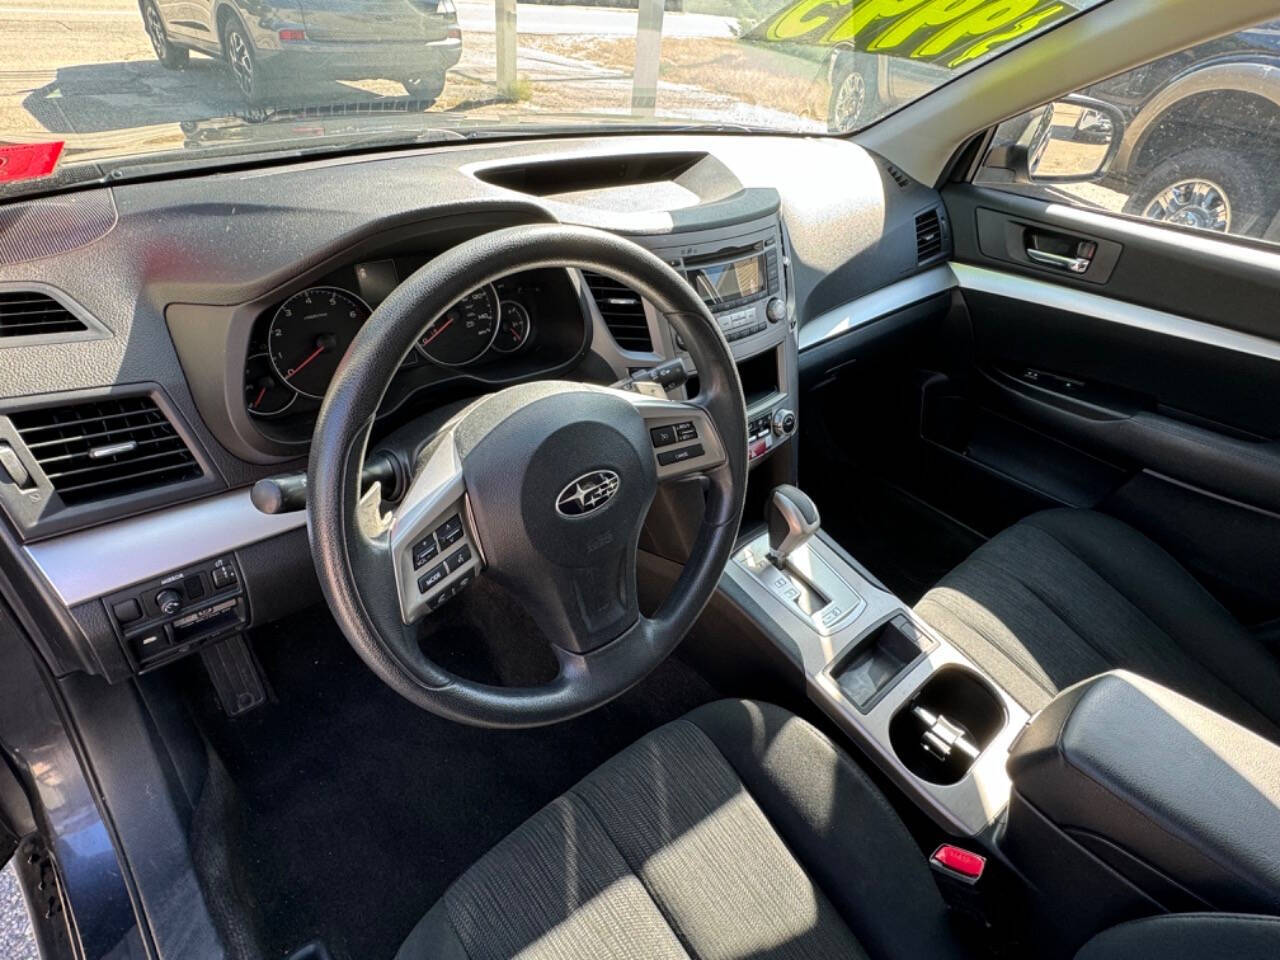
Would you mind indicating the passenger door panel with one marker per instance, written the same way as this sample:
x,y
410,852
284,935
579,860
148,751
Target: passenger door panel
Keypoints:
x,y
1147,386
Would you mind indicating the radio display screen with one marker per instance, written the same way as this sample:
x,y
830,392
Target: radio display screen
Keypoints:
x,y
727,282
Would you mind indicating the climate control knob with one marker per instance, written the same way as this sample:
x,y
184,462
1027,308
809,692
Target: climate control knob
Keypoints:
x,y
775,310
784,421
169,601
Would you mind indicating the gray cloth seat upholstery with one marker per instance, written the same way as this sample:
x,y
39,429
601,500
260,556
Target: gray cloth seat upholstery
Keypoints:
x,y
738,831
1067,594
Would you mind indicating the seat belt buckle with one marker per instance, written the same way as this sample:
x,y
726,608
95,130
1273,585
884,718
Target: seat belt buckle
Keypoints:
x,y
957,873
958,864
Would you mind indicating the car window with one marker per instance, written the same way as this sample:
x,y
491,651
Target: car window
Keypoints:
x,y
109,89
1190,139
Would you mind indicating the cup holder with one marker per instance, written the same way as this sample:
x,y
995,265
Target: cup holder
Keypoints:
x,y
940,731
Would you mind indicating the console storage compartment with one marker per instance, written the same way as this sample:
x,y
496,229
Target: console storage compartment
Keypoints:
x,y
1129,799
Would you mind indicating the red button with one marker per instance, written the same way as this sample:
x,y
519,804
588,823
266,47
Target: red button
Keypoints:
x,y
757,449
960,861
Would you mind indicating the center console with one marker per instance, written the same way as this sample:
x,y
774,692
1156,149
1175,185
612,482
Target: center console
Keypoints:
x,y
929,717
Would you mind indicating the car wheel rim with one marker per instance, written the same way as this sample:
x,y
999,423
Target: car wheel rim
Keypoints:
x,y
155,30
1194,202
850,100
241,60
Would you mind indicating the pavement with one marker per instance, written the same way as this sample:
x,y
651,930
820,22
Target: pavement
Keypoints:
x,y
16,939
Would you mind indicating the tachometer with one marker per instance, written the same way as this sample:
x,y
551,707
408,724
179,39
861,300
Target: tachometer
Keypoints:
x,y
310,333
464,332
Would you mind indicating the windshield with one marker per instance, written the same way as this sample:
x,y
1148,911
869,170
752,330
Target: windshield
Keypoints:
x,y
98,89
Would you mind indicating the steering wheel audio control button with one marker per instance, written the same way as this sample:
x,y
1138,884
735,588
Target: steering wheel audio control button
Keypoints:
x,y
449,531
663,436
668,457
424,550
431,578
458,558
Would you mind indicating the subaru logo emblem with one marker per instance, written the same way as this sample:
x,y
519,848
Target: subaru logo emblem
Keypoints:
x,y
589,492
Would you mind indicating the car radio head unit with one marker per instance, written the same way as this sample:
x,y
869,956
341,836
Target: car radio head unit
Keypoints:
x,y
726,282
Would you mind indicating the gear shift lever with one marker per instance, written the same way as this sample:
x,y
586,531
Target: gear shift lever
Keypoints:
x,y
792,518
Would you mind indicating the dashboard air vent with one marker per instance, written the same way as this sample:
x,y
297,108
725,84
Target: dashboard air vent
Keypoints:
x,y
928,235
26,313
622,311
105,448
900,178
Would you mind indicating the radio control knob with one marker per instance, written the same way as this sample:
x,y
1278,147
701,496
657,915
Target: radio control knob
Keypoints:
x,y
775,310
784,421
169,601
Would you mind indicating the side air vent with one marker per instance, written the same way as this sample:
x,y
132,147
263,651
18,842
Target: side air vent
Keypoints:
x,y
900,178
105,448
622,311
28,313
928,235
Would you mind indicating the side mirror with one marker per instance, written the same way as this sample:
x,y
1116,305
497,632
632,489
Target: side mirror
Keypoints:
x,y
1072,140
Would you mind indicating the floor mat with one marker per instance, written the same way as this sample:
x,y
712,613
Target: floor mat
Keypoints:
x,y
360,808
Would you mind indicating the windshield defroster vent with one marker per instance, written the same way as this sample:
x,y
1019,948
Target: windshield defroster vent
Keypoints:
x,y
28,313
928,235
900,178
105,448
622,311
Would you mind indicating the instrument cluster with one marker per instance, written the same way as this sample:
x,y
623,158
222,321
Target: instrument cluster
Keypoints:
x,y
494,334
294,357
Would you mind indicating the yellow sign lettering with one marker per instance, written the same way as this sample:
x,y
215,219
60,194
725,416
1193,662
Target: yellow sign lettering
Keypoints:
x,y
801,19
934,14
989,17
864,14
989,42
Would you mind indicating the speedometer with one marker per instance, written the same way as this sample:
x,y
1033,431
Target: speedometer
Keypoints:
x,y
464,332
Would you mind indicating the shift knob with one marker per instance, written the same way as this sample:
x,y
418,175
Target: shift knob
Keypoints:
x,y
792,518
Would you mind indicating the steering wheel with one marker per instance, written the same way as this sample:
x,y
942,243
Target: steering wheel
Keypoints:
x,y
543,486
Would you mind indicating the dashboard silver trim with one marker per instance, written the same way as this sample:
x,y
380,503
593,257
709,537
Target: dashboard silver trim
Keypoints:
x,y
1070,300
877,304
91,563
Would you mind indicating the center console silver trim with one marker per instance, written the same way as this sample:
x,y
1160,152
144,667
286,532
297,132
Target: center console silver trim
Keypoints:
x,y
101,560
965,808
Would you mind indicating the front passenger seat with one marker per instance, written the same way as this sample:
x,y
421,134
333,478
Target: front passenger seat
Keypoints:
x,y
1067,594
738,832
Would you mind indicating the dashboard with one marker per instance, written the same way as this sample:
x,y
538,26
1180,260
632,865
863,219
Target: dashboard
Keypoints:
x,y
199,322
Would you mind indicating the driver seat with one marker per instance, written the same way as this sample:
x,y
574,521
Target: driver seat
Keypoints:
x,y
736,831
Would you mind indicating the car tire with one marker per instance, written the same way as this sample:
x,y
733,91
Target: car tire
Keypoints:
x,y
170,55
426,88
242,60
1207,188
853,93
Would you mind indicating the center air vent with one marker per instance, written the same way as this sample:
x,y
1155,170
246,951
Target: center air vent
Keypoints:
x,y
622,311
928,235
26,313
105,448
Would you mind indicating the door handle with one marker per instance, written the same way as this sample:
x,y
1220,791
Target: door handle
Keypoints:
x,y
1059,262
